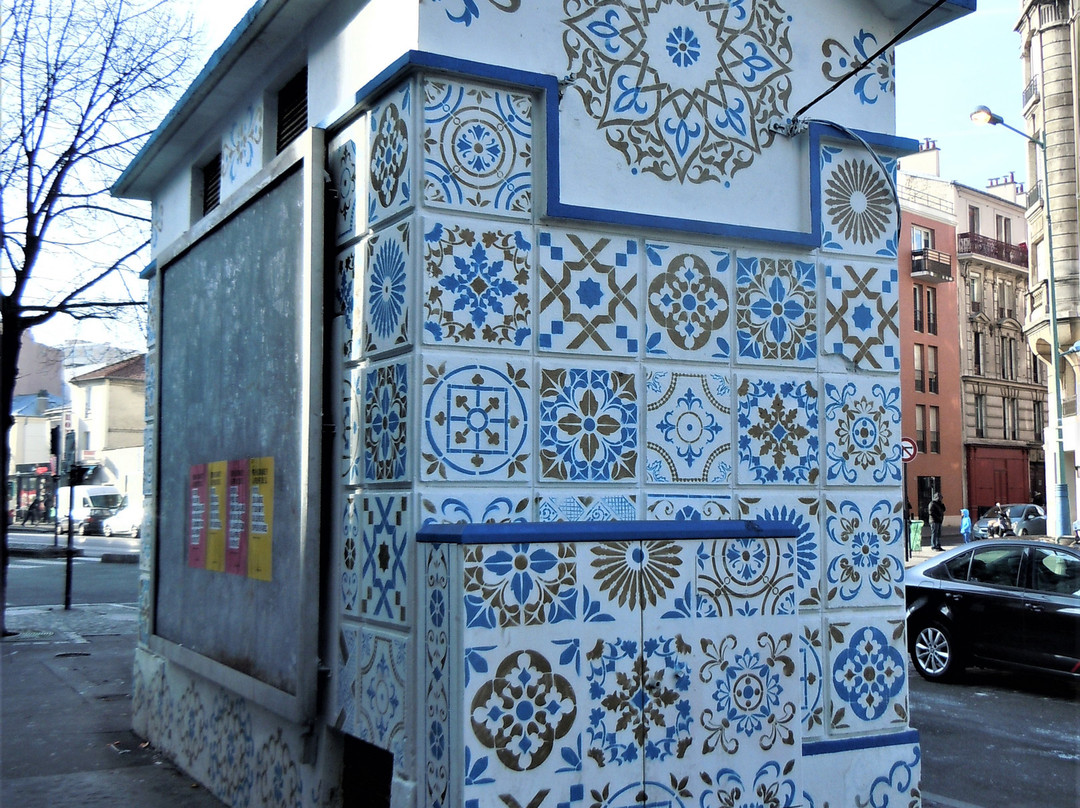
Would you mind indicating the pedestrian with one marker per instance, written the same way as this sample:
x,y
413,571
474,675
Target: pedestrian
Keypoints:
x,y
965,525
937,515
32,512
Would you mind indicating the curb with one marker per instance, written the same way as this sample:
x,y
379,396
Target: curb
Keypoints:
x,y
28,551
119,558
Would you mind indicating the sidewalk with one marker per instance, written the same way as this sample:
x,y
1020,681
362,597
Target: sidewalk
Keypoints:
x,y
65,715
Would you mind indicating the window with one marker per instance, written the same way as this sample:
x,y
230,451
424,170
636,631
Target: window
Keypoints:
x,y
977,353
1010,415
1057,571
1040,422
920,372
1003,228
1008,358
1036,373
931,369
973,219
1005,302
292,110
85,445
934,430
922,238
980,415
975,292
996,565
89,406
916,300
931,310
920,427
211,183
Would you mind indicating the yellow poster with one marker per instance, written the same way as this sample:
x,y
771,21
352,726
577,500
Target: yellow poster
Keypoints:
x,y
261,529
217,485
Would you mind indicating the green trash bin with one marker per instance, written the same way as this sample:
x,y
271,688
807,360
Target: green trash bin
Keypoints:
x,y
915,537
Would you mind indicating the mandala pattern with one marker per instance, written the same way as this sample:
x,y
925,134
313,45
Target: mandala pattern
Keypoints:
x,y
777,424
570,508
350,569
476,286
862,310
277,779
588,425
776,309
772,786
588,292
688,428
346,299
436,700
865,552
523,710
386,291
684,90
868,676
390,181
475,422
636,574
478,148
474,507
841,59
744,577
863,429
385,420
343,171
688,309
804,555
384,580
859,208
520,584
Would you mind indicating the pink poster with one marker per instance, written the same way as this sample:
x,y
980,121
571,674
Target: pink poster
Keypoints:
x,y
236,536
197,494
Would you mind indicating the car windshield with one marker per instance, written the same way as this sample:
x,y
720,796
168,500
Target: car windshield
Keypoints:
x,y
108,501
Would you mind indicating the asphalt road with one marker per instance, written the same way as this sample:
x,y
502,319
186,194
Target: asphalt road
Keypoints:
x,y
41,581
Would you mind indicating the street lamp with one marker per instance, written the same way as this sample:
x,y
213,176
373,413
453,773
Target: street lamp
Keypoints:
x,y
983,115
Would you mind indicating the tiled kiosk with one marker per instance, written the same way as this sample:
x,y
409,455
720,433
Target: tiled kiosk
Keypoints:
x,y
627,265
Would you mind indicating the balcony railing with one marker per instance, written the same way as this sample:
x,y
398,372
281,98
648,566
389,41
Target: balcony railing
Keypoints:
x,y
1034,195
974,244
1031,93
931,266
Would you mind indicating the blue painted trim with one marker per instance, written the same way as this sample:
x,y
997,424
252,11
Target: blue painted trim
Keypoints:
x,y
852,744
521,532
149,270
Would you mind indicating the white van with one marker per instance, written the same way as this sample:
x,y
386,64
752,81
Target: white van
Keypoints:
x,y
98,501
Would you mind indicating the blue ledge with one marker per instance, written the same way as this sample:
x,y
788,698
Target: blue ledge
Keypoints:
x,y
522,532
911,736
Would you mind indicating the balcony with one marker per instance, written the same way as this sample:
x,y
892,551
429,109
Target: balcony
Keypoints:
x,y
985,247
1030,94
1034,196
931,266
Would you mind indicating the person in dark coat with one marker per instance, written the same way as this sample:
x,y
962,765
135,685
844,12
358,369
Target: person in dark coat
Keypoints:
x,y
937,515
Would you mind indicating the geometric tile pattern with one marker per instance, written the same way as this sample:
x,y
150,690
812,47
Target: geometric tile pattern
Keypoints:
x,y
778,432
867,676
351,457
802,513
862,427
858,207
383,690
562,507
477,148
776,309
347,672
350,556
346,301
390,181
862,314
588,293
436,698
385,557
387,290
688,419
864,551
520,584
476,285
386,399
343,172
688,301
744,577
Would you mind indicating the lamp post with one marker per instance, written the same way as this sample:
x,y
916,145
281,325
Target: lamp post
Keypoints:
x,y
983,115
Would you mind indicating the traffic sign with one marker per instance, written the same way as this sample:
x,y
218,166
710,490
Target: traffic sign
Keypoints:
x,y
909,450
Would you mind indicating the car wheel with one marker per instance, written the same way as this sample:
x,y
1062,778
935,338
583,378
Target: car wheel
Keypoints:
x,y
82,529
135,532
934,653
107,530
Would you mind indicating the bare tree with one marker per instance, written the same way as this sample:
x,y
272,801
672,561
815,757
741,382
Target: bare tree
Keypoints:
x,y
82,85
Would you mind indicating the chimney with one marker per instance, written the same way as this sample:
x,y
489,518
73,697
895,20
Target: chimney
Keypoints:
x,y
42,401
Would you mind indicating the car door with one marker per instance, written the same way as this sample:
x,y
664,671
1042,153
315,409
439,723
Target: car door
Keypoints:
x,y
988,608
1052,609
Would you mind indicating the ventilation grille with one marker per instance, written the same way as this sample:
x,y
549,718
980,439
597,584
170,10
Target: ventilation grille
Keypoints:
x,y
211,184
292,110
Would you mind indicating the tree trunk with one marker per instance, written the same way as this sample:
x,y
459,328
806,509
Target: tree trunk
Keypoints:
x,y
10,345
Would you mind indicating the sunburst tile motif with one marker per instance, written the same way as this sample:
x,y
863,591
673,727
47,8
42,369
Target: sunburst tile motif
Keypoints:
x,y
867,676
386,398
382,690
588,293
778,432
776,309
385,557
387,290
862,433
477,148
390,176
476,421
864,551
683,89
858,202
688,420
687,305
477,285
862,311
802,514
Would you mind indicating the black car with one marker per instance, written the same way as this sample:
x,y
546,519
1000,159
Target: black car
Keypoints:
x,y
1012,603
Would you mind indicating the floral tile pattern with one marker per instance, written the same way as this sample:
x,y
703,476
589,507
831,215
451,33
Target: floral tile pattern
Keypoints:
x,y
473,506
351,456
383,690
385,557
776,309
687,302
867,676
343,173
436,736
858,208
346,302
390,181
347,673
588,293
475,421
588,425
688,419
862,314
746,577
842,56
802,513
386,397
477,148
476,285
520,584
812,678
350,560
778,432
864,553
862,433
387,291
241,148
561,507
689,507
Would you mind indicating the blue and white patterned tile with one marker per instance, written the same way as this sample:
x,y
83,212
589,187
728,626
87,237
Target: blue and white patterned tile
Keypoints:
x,y
150,388
153,311
864,553
387,291
745,577
867,675
876,775
241,149
343,165
862,433
778,431
842,54
776,779
858,205
812,677
624,578
803,514
588,424
385,557
390,181
348,670
588,293
477,148
689,507
523,584
350,556
688,302
862,314
473,506
347,293
477,280
385,421
776,304
688,427
351,455
382,690
436,733
149,461
558,506
476,421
